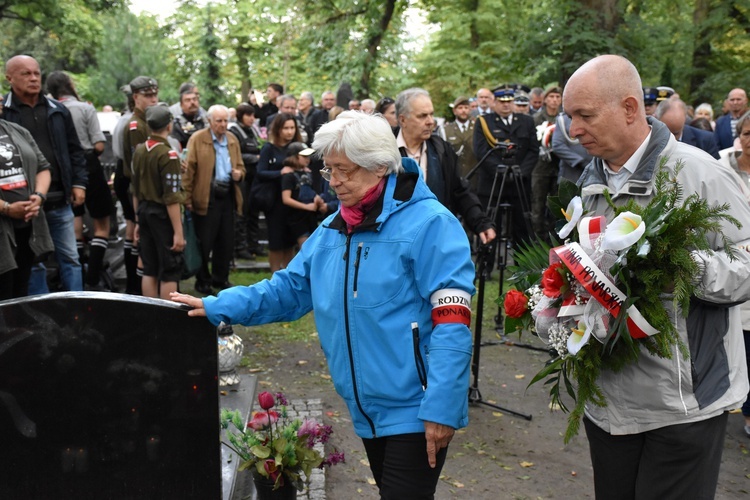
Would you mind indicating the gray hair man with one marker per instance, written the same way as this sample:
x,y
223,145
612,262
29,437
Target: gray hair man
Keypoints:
x,y
437,160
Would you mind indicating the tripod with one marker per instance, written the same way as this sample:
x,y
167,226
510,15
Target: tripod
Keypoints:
x,y
485,261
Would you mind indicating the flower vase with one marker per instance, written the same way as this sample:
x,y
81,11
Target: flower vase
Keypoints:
x,y
264,490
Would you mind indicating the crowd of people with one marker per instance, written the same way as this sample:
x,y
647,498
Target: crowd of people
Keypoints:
x,y
367,213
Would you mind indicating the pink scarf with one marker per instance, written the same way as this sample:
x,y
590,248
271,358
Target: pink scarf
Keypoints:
x,y
354,215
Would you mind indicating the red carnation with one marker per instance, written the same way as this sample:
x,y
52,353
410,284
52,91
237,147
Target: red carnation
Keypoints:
x,y
553,281
266,400
516,304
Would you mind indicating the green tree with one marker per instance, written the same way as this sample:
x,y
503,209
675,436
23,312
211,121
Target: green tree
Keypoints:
x,y
60,34
131,46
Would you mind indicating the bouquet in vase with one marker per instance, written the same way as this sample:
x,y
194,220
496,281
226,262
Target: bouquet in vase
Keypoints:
x,y
597,299
275,447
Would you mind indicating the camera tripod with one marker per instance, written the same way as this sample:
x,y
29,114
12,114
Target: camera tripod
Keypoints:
x,y
485,263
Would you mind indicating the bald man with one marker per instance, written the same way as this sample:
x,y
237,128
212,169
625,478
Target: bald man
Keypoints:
x,y
726,126
51,125
673,113
661,433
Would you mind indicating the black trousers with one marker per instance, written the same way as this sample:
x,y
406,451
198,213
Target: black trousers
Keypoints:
x,y
677,461
215,231
399,465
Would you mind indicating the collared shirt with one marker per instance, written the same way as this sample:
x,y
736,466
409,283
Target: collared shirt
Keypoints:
x,y
420,157
462,126
508,120
223,168
615,180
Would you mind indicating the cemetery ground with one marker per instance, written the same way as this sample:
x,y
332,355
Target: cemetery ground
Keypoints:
x,y
498,456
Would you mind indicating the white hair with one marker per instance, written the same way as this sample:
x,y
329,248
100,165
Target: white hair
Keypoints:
x,y
369,104
706,107
366,140
215,108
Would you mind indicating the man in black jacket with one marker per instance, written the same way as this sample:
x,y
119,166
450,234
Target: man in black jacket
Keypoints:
x,y
503,139
437,160
53,130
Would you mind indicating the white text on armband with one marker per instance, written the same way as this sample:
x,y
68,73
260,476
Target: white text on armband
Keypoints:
x,y
451,305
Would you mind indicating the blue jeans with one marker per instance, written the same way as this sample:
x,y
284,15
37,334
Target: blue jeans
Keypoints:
x,y
60,222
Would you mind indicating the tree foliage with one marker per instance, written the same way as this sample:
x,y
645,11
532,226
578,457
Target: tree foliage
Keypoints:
x,y
131,46
699,47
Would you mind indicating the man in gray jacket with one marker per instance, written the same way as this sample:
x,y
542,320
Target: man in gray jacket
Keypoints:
x,y
661,433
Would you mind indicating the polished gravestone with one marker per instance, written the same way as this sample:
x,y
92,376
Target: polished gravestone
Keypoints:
x,y
107,396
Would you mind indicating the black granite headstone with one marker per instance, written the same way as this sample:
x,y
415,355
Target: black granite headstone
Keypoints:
x,y
107,396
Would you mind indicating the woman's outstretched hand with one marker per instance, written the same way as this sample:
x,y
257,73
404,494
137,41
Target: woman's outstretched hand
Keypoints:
x,y
194,302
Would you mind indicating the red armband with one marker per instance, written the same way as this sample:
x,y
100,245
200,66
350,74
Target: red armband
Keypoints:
x,y
451,305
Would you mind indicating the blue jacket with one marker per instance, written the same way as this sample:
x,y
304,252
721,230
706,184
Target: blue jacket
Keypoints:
x,y
723,133
371,291
68,150
701,139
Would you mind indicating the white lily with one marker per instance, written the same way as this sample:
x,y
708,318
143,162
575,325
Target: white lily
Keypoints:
x,y
623,232
572,214
578,338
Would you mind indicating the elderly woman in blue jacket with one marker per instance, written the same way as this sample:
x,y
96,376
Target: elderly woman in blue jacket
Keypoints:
x,y
389,276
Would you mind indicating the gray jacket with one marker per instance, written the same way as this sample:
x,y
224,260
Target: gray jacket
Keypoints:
x,y
33,161
658,392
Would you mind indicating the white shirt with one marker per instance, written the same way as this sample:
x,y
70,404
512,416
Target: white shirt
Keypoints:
x,y
420,157
615,180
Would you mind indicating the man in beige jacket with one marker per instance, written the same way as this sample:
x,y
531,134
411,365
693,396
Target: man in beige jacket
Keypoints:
x,y
214,167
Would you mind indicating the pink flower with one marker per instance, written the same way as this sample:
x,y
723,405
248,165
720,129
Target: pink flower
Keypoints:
x,y
266,400
260,420
272,470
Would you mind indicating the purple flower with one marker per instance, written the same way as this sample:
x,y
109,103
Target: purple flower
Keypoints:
x,y
281,399
333,459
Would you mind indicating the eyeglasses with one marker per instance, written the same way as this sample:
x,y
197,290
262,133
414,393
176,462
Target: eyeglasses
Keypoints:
x,y
327,173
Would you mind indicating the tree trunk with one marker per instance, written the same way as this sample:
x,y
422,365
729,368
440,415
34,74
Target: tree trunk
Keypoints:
x,y
373,42
701,60
473,7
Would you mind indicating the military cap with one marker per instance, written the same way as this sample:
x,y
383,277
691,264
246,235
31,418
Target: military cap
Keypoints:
x,y
521,98
158,116
664,93
552,90
520,86
460,100
299,148
504,92
125,89
650,94
142,83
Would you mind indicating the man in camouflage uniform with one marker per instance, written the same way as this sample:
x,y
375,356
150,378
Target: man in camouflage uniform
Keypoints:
x,y
157,197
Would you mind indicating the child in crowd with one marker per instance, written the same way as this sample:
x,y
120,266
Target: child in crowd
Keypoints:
x,y
300,199
157,198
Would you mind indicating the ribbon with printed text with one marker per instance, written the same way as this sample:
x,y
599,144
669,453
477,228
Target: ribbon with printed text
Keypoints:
x,y
594,280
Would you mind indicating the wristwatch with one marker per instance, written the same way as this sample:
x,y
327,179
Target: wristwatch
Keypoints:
x,y
41,195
